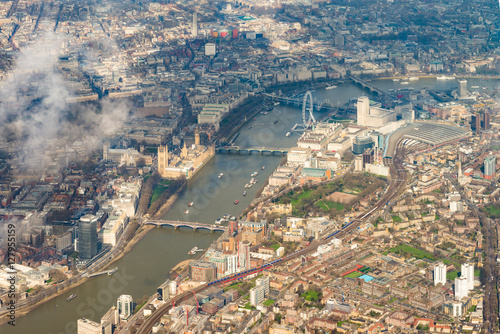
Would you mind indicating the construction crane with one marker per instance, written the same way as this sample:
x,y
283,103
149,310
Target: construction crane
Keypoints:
x,y
196,299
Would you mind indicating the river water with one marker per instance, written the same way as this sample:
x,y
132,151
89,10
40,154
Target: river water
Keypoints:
x,y
146,266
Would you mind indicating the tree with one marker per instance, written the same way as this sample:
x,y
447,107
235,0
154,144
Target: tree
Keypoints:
x,y
57,275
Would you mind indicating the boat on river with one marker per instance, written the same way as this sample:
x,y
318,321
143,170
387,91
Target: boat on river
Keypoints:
x,y
237,201
186,212
73,296
245,193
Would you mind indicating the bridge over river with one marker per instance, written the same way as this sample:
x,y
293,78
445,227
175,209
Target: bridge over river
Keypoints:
x,y
251,150
195,226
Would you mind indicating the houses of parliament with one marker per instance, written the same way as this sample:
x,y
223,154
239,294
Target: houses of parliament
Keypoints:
x,y
188,163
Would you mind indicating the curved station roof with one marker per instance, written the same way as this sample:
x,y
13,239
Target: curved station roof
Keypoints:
x,y
429,133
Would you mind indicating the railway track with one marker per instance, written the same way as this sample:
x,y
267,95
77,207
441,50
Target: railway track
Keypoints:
x,y
397,182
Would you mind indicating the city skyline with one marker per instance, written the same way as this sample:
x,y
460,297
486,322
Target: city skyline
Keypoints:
x,y
249,167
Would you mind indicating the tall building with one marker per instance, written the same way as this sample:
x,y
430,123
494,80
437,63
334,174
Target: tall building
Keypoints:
x,y
220,261
244,255
125,306
233,226
87,239
264,283
363,109
440,273
375,115
111,316
461,289
475,122
486,120
462,89
86,326
408,114
232,264
468,273
195,24
163,291
490,167
256,295
162,157
457,309
367,156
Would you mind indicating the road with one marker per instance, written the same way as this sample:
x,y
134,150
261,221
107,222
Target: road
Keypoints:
x,y
399,178
491,274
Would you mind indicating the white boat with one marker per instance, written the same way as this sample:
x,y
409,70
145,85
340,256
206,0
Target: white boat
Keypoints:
x,y
190,203
441,78
413,78
186,212
73,296
485,87
218,221
254,174
288,134
330,87
475,87
263,167
404,82
276,104
112,271
245,193
248,185
220,175
395,80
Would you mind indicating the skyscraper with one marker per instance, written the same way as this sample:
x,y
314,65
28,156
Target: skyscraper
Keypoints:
x,y
490,167
264,283
256,295
125,304
486,120
475,122
244,255
440,273
461,289
363,110
462,89
195,24
468,274
87,238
